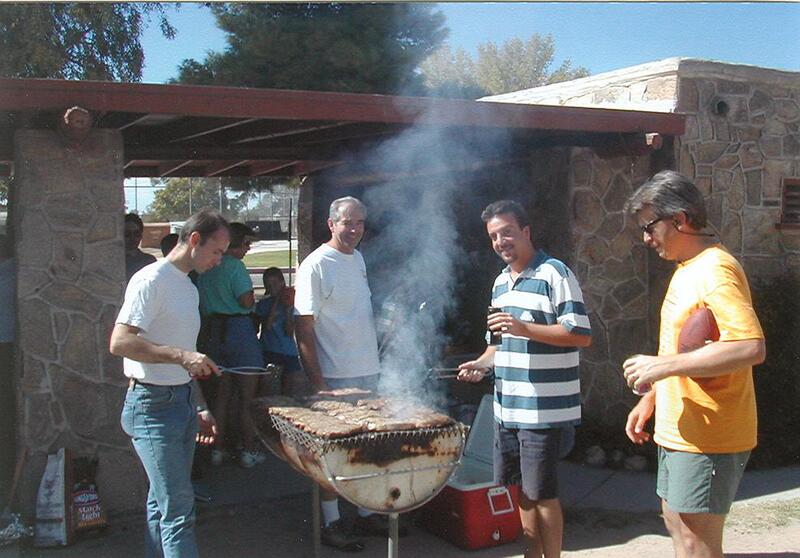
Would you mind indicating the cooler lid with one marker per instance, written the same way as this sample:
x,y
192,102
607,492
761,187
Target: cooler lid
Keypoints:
x,y
480,442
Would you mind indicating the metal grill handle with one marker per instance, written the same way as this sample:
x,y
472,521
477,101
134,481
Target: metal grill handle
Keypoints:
x,y
501,493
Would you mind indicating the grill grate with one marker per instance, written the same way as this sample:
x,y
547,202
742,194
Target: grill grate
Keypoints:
x,y
320,445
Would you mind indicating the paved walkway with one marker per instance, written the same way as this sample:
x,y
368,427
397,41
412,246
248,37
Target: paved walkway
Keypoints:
x,y
265,511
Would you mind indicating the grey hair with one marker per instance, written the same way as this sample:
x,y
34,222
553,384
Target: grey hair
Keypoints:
x,y
336,205
669,193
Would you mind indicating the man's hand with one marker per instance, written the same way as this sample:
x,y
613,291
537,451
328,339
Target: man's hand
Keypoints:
x,y
208,428
198,365
640,370
503,322
638,417
472,371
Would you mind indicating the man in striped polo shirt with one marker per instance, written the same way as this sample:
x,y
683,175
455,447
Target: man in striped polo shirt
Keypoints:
x,y
543,322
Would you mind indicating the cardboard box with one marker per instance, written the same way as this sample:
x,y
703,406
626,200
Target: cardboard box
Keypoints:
x,y
472,511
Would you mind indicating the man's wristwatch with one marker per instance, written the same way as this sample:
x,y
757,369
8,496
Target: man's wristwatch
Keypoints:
x,y
200,408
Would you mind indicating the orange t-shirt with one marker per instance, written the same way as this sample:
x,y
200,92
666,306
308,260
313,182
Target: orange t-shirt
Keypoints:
x,y
716,414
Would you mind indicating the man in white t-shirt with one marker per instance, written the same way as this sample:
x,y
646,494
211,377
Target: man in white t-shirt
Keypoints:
x,y
164,411
336,338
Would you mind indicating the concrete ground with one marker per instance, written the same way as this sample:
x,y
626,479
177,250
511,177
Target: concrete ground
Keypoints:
x,y
265,512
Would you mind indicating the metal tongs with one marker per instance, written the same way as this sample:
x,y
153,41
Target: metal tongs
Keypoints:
x,y
449,373
252,370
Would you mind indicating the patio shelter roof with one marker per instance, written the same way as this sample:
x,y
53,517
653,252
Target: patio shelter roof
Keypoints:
x,y
187,130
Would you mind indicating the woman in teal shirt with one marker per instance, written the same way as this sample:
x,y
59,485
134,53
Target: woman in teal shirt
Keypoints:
x,y
226,302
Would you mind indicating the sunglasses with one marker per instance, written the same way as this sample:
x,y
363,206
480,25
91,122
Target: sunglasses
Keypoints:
x,y
647,228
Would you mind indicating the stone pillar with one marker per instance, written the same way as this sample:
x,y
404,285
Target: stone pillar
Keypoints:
x,y
68,224
305,221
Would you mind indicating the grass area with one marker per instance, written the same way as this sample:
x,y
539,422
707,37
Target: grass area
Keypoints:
x,y
278,258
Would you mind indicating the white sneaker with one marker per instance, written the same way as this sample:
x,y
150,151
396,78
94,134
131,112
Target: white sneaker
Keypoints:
x,y
216,457
249,459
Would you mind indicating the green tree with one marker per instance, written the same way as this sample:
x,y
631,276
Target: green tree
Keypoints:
x,y
512,66
178,198
76,40
370,48
519,64
451,73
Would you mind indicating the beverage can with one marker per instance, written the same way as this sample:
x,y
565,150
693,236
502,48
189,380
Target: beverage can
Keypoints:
x,y
495,337
642,389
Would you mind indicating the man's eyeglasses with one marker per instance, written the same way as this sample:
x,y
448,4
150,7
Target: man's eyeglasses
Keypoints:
x,y
647,228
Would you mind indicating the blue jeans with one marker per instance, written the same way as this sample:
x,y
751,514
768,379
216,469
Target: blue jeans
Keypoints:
x,y
162,423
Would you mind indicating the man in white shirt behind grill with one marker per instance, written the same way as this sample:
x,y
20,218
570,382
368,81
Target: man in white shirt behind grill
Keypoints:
x,y
336,338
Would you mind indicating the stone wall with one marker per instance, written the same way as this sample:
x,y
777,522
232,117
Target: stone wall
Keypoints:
x,y
68,224
742,139
612,265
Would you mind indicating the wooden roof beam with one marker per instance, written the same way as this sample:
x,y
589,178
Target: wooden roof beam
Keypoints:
x,y
194,100
309,167
215,152
119,120
291,132
266,168
218,168
168,167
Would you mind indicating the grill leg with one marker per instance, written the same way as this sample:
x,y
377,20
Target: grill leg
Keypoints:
x,y
315,519
394,535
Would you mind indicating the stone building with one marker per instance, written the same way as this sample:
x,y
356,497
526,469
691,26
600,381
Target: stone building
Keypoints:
x,y
741,147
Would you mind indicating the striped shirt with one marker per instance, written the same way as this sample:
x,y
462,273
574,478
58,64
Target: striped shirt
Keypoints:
x,y
538,385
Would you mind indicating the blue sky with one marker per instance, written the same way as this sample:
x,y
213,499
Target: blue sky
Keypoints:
x,y
600,36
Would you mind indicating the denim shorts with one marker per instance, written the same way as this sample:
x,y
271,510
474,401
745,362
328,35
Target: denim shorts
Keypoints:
x,y
233,342
528,458
361,382
699,482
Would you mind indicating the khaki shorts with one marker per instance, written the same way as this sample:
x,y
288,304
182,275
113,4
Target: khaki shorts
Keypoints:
x,y
699,482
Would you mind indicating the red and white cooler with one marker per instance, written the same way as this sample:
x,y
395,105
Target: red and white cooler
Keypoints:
x,y
472,511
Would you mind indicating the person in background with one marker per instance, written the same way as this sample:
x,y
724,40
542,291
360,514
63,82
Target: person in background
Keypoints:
x,y
542,322
135,259
164,412
168,243
276,315
704,401
226,301
336,338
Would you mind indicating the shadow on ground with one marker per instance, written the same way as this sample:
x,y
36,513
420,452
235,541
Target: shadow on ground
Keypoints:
x,y
596,528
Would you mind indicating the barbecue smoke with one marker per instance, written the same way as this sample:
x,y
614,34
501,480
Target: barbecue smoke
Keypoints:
x,y
415,257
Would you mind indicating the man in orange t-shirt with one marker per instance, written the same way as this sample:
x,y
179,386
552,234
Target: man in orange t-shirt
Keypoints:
x,y
704,401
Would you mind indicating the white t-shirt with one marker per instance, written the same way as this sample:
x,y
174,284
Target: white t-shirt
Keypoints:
x,y
161,301
332,287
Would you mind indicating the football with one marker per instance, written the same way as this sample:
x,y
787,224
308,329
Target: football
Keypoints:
x,y
699,328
